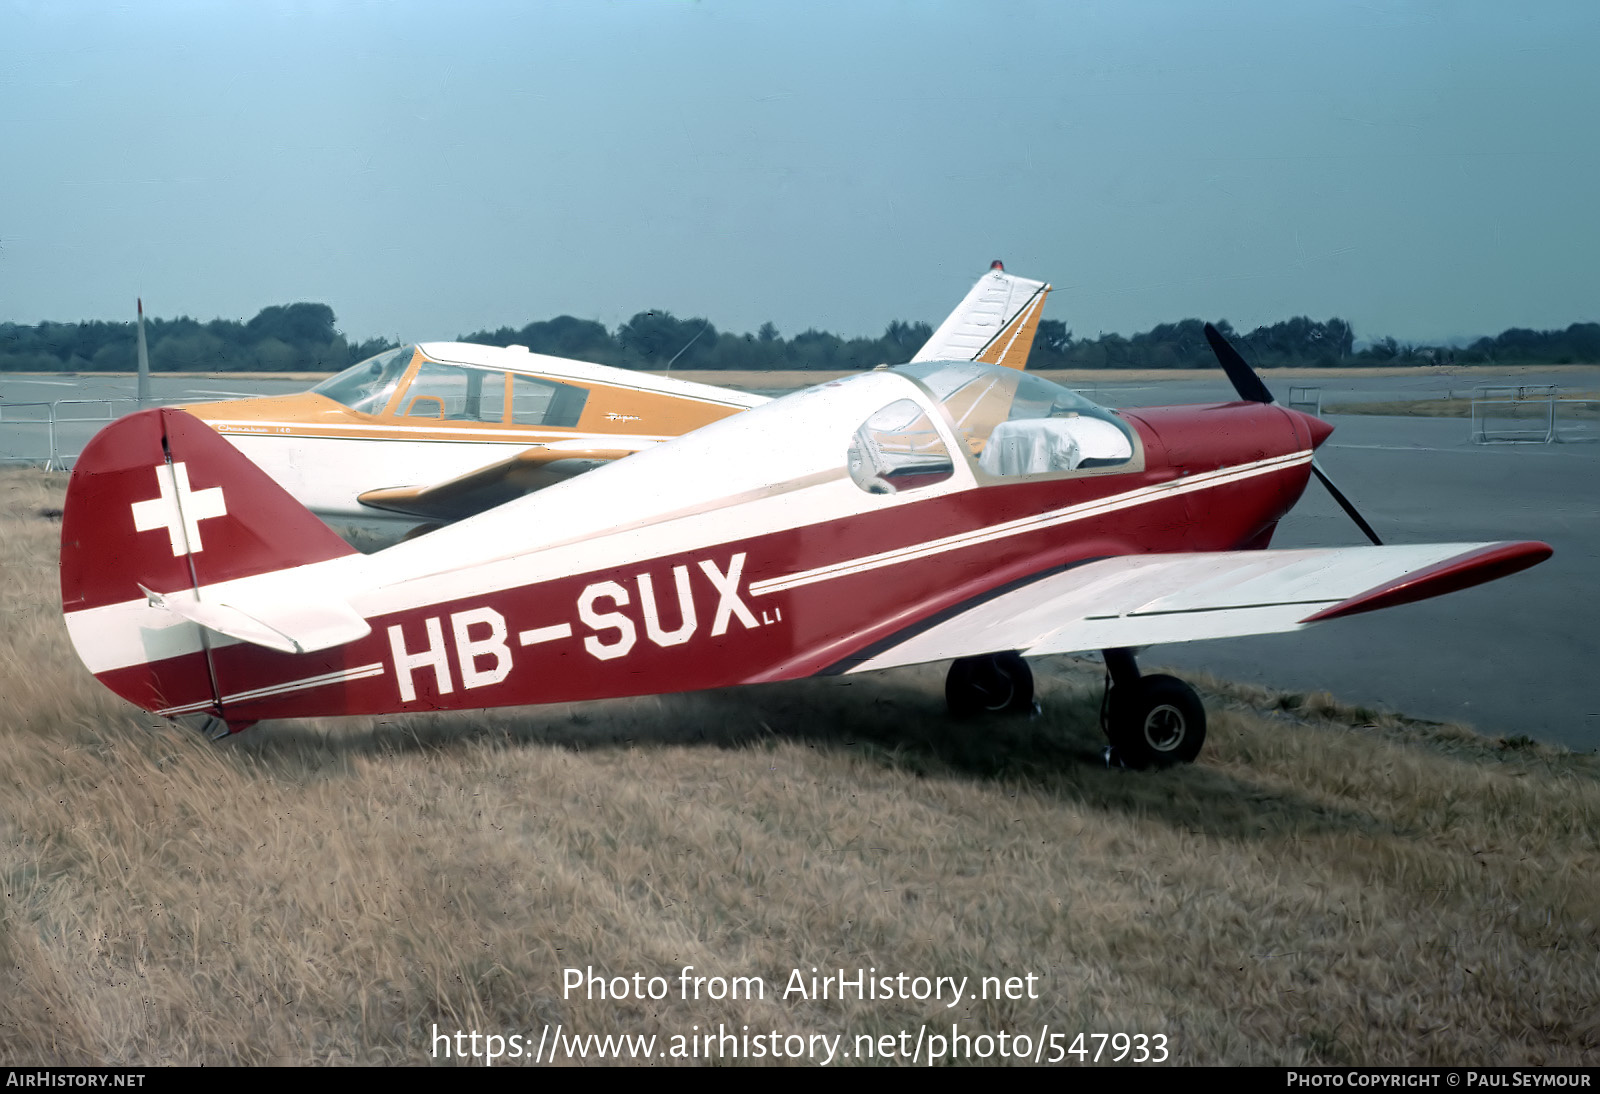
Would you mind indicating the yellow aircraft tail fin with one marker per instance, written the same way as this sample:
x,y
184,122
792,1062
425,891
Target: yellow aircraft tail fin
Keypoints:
x,y
995,323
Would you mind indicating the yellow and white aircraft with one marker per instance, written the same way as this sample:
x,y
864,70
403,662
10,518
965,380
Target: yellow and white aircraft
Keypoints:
x,y
431,433
427,434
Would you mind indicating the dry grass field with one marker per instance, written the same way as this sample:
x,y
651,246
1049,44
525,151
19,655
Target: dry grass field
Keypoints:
x,y
1326,886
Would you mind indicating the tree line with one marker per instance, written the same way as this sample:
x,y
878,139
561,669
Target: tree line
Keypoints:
x,y
281,338
304,338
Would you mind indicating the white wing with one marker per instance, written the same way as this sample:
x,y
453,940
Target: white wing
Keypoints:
x,y
1144,600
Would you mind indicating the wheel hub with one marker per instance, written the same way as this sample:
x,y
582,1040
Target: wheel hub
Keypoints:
x,y
1164,727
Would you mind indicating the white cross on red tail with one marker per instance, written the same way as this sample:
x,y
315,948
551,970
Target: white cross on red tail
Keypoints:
x,y
179,509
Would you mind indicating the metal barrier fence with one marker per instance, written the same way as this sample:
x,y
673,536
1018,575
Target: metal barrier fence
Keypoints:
x,y
1570,428
28,421
1529,414
59,429
1507,414
1308,399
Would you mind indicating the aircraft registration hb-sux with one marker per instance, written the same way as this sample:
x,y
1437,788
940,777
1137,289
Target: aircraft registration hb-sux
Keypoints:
x,y
427,434
936,511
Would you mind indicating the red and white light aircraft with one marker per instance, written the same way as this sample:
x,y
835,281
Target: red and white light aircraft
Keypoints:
x,y
941,510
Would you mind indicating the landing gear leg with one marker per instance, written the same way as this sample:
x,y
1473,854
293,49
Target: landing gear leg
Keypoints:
x,y
1152,721
998,683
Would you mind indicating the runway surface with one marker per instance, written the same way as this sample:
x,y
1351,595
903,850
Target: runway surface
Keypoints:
x,y
1516,656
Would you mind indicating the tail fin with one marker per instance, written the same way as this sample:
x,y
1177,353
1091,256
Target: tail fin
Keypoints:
x,y
160,504
995,323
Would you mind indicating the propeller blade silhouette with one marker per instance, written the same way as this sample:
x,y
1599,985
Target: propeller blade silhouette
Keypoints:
x,y
1245,380
1344,502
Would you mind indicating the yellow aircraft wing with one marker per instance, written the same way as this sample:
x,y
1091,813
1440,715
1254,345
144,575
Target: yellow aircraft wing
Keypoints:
x,y
493,484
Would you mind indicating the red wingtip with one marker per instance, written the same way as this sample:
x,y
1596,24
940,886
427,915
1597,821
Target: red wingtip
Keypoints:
x,y
1461,572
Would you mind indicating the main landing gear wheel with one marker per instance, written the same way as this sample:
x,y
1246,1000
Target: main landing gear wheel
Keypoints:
x,y
1153,721
997,683
1162,723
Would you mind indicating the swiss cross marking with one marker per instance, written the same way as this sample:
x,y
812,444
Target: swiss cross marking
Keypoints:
x,y
179,509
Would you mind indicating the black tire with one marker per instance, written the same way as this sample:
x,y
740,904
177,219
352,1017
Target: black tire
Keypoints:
x,y
997,683
1160,724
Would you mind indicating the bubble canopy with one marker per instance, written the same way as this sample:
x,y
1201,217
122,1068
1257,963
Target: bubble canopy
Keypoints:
x,y
1017,423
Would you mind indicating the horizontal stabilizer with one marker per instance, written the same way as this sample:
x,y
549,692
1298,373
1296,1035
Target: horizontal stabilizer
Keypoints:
x,y
494,484
1146,600
287,627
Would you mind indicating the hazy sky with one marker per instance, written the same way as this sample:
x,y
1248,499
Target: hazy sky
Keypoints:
x,y
1421,169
